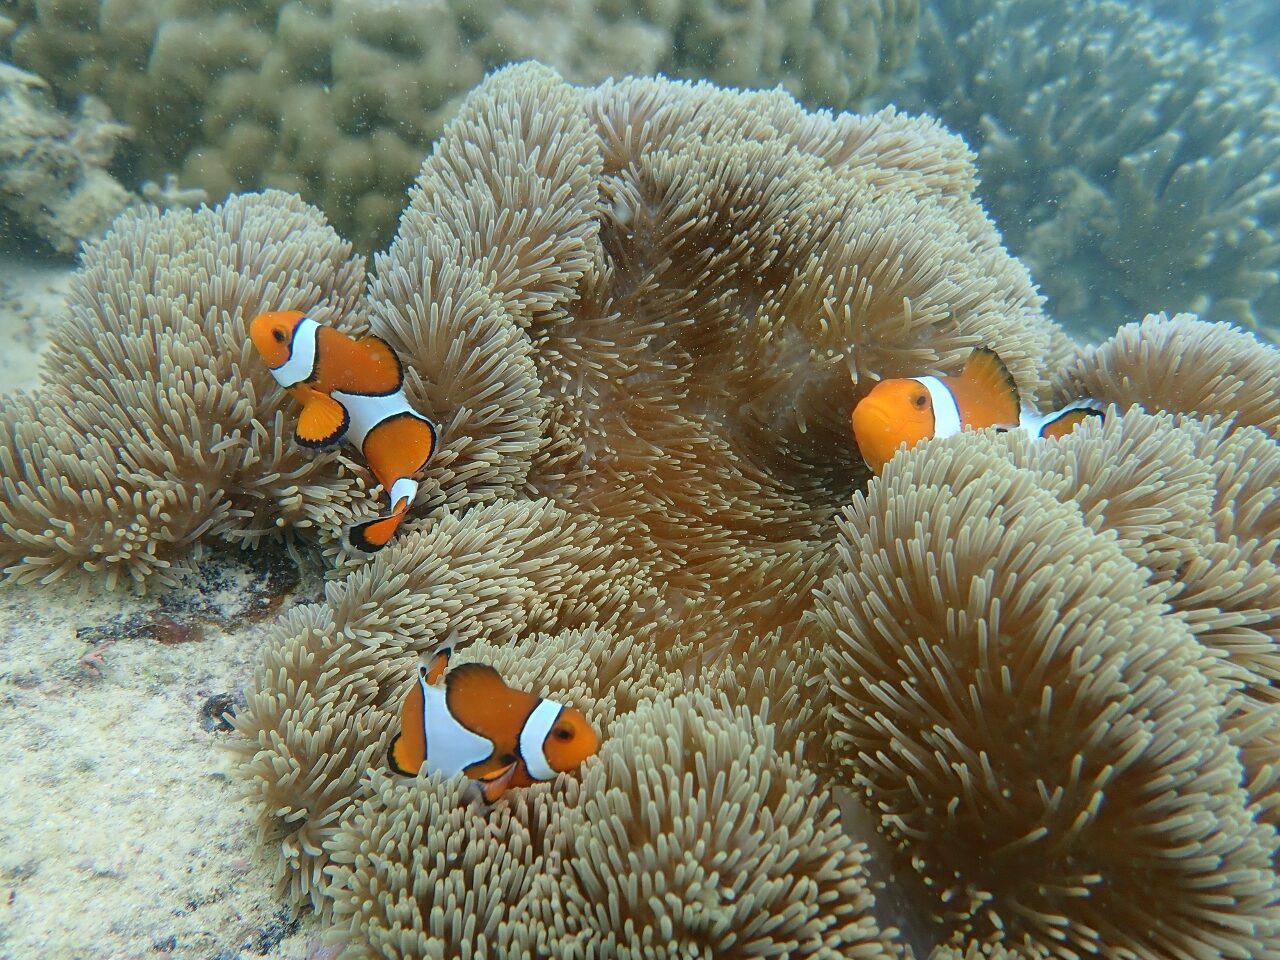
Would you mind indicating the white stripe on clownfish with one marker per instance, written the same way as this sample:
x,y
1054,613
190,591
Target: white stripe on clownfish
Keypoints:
x,y
302,355
451,747
534,735
946,414
369,412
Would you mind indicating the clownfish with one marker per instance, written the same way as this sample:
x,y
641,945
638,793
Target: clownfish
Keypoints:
x,y
353,390
899,413
469,721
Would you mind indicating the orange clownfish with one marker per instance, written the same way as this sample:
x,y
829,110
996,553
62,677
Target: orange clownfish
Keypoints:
x,y
473,723
354,390
898,414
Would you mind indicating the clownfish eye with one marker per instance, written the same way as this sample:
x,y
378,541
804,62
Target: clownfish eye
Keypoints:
x,y
278,334
920,399
563,733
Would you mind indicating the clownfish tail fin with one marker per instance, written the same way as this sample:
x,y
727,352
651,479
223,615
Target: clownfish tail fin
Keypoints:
x,y
373,535
393,762
1058,426
984,368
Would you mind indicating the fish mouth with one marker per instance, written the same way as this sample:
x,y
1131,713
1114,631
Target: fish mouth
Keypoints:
x,y
875,432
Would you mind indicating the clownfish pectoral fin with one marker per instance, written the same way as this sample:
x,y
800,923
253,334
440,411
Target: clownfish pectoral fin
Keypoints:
x,y
494,785
1063,423
324,421
372,535
989,378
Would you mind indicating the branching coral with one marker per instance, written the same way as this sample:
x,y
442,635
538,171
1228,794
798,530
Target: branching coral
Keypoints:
x,y
1251,27
1130,166
340,99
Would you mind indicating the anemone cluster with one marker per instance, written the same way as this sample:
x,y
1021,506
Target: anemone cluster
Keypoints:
x,y
641,313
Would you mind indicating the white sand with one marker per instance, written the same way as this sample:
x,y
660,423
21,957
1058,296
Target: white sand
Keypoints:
x,y
123,830
31,302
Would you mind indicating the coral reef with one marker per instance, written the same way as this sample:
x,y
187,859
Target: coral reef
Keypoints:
x,y
339,100
1249,26
54,180
1132,167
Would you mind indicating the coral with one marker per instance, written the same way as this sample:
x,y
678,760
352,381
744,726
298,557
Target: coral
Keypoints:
x,y
1132,167
54,180
1251,27
340,99
1067,722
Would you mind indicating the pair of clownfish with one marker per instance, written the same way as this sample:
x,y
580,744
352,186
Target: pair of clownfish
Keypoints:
x,y
467,720
350,390
897,414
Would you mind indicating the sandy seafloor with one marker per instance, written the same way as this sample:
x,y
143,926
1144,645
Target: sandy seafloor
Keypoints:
x,y
124,832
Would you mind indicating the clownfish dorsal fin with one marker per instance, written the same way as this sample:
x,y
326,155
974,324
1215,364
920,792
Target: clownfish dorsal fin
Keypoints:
x,y
437,664
473,684
386,372
323,421
986,393
382,356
